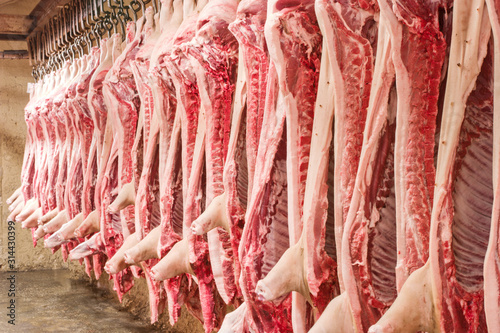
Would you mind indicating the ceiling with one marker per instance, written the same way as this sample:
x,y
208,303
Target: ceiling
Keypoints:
x,y
20,18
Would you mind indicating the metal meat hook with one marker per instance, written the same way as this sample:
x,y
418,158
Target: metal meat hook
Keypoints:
x,y
136,7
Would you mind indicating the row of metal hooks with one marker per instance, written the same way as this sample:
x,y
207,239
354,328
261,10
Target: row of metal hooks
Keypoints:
x,y
79,26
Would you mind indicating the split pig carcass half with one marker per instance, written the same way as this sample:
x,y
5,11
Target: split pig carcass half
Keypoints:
x,y
322,166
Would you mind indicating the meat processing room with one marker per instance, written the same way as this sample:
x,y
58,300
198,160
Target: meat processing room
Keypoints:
x,y
250,166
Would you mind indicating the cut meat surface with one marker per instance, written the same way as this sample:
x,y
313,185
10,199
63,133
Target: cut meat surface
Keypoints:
x,y
228,209
214,62
309,255
316,165
282,158
416,31
190,255
454,289
492,256
370,220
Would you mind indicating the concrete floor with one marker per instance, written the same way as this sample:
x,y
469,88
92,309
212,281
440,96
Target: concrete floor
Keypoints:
x,y
50,301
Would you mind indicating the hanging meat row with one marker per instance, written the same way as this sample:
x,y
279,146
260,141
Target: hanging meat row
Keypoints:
x,y
321,166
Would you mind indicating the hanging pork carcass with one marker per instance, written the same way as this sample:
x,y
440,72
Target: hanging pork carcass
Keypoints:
x,y
317,165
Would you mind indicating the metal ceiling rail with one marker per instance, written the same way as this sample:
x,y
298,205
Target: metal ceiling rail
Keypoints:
x,y
79,25
14,54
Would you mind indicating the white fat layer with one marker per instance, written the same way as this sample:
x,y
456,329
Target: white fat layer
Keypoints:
x,y
216,252
322,129
239,102
471,32
288,104
403,106
196,167
147,171
317,171
273,32
377,117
